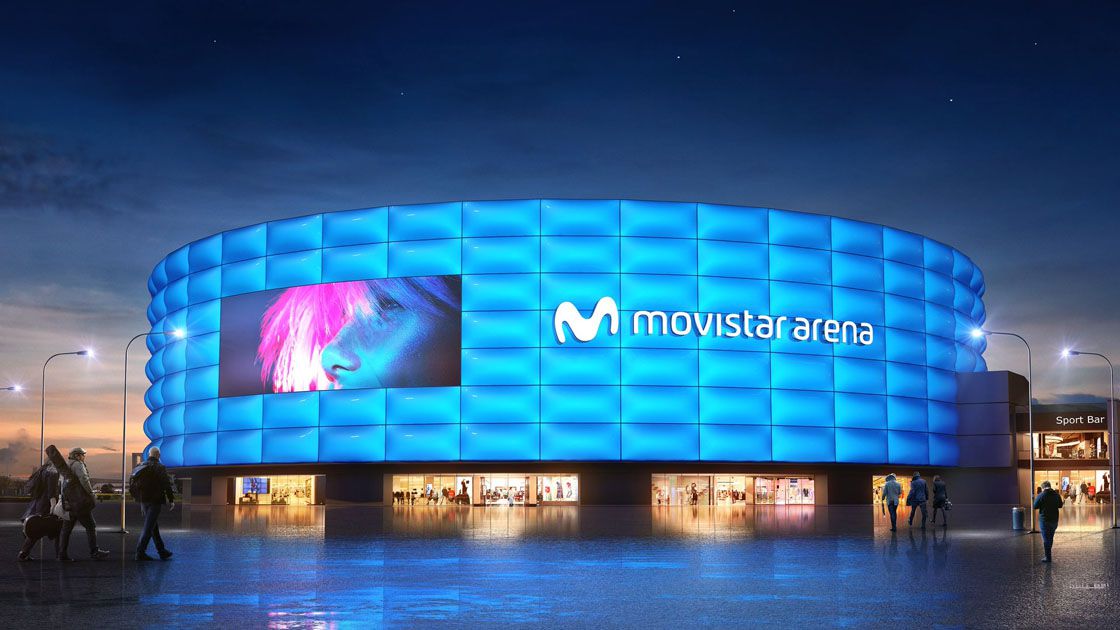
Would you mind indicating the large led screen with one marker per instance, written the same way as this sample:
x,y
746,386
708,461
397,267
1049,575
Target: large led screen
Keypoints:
x,y
391,332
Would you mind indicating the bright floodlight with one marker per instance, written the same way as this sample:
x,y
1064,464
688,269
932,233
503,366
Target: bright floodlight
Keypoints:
x,y
17,388
1065,353
977,333
88,352
178,333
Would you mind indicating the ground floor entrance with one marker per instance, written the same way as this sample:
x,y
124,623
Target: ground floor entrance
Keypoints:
x,y
731,489
277,490
1077,486
497,488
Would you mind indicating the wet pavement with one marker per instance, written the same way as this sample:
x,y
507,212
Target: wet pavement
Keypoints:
x,y
294,567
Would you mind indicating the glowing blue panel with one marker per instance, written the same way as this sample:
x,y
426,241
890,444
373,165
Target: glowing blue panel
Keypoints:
x,y
207,253
730,223
794,371
943,450
580,366
659,255
153,397
501,366
726,405
201,383
352,444
580,253
200,416
860,446
860,376
422,405
579,217
177,264
424,221
172,421
734,443
290,270
734,295
290,445
938,257
424,258
720,368
804,444
294,235
658,218
422,442
291,410
171,448
647,366
502,442
940,321
175,356
239,447
939,288
804,300
501,254
159,275
242,412
806,409
660,442
501,291
906,347
175,295
660,404
908,447
519,217
152,425
582,289
204,285
648,292
504,403
204,318
351,407
906,313
857,272
857,237
800,265
580,442
243,244
903,247
803,230
906,414
738,260
243,277
200,449
855,305
962,268
861,411
355,227
941,385
943,418
580,404
201,350
903,279
644,338
906,380
963,299
499,329
356,262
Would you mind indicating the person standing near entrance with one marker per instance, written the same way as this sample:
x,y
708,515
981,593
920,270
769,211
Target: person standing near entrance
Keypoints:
x,y
78,500
892,490
1048,502
917,498
151,485
940,499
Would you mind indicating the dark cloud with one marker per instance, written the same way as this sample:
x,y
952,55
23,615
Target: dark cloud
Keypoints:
x,y
17,447
38,174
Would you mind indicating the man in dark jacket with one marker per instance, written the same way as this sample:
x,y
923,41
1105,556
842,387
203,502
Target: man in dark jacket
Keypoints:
x,y
917,498
43,487
1048,502
155,490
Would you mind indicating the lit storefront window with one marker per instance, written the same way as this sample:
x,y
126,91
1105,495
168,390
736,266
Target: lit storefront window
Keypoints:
x,y
558,489
277,490
486,489
1074,445
670,490
1078,487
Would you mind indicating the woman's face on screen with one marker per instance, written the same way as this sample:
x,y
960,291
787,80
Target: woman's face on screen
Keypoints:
x,y
377,349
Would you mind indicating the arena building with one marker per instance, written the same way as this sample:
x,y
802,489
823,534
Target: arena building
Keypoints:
x,y
535,352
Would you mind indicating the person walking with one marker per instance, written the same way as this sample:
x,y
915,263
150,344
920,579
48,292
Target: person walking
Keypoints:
x,y
940,500
892,491
917,498
38,521
1048,502
78,500
152,486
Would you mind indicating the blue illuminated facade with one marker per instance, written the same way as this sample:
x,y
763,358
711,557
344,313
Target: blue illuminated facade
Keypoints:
x,y
624,397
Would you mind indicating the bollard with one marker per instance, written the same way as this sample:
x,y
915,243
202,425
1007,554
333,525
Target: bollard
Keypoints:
x,y
1018,517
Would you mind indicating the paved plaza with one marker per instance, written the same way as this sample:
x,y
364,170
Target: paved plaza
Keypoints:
x,y
679,567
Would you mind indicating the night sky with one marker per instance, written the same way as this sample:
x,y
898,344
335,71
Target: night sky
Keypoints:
x,y
126,133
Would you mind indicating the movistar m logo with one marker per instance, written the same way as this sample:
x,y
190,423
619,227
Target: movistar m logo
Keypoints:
x,y
585,328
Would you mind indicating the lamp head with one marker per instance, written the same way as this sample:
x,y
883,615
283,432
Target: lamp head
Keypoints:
x,y
17,388
178,333
977,333
1066,353
88,352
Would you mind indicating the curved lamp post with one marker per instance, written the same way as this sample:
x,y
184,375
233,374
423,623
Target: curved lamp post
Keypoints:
x,y
1111,425
12,388
178,334
43,397
980,332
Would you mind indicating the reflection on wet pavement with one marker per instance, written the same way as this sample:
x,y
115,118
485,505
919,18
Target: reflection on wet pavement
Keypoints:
x,y
577,566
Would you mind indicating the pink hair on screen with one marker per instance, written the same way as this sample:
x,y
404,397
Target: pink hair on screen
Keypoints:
x,y
299,324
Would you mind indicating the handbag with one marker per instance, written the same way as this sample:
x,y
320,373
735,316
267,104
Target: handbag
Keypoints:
x,y
58,510
948,505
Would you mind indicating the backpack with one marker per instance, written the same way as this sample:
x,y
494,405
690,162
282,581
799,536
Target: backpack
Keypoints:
x,y
139,483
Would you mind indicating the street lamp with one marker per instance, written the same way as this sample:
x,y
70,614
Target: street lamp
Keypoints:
x,y
1111,425
980,332
178,333
43,397
12,388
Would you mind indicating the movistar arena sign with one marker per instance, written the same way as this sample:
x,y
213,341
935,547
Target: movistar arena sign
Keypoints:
x,y
683,323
